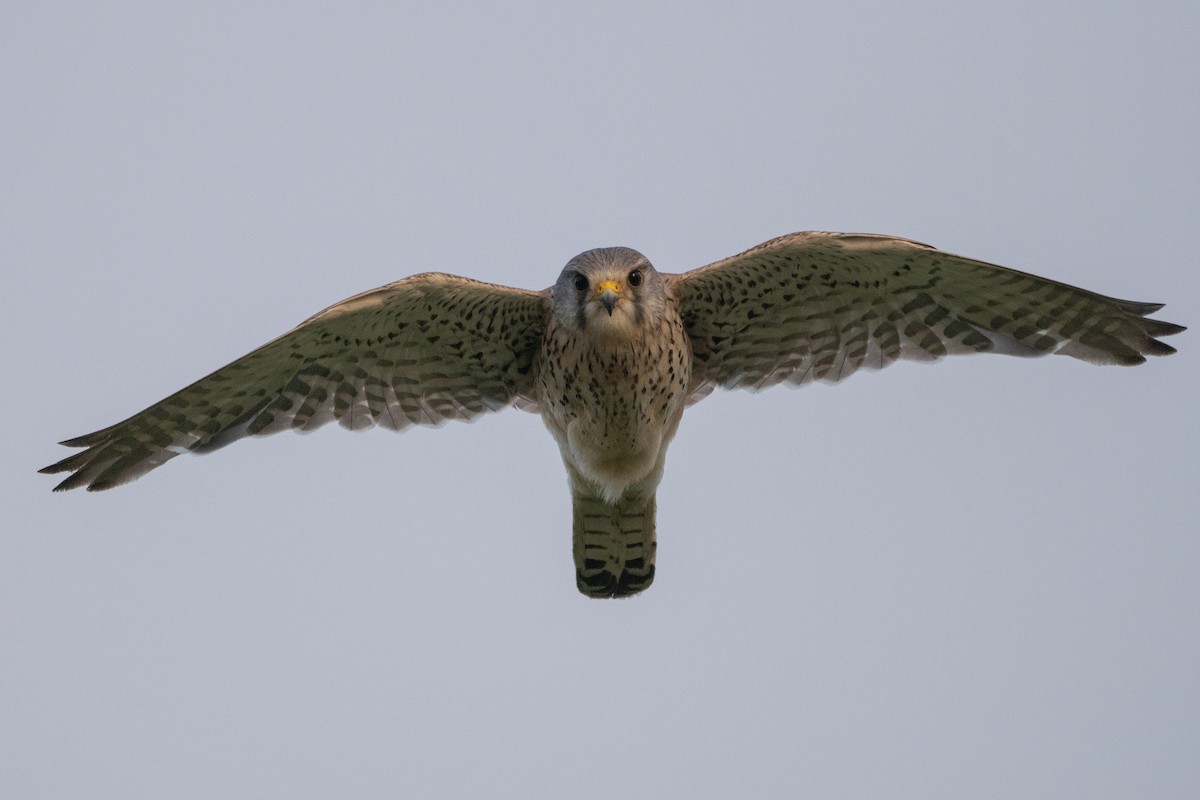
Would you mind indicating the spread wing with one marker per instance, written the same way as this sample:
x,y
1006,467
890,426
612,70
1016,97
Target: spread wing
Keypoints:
x,y
420,351
819,306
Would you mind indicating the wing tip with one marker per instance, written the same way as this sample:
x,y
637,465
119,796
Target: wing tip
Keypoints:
x,y
72,481
79,477
87,440
1154,328
1157,327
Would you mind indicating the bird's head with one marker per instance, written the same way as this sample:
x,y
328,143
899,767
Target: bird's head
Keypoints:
x,y
613,291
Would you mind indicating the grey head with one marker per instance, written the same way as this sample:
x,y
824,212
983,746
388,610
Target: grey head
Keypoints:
x,y
608,290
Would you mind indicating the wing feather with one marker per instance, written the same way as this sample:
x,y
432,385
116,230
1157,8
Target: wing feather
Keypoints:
x,y
821,306
420,351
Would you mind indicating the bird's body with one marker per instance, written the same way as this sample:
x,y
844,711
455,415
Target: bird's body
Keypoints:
x,y
612,354
612,384
612,405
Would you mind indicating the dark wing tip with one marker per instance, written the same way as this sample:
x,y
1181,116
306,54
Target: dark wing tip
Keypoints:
x,y
73,481
69,464
76,479
1147,343
1141,309
1156,327
62,466
1156,348
78,441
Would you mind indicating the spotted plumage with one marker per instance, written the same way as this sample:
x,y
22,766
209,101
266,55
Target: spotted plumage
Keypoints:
x,y
612,384
611,355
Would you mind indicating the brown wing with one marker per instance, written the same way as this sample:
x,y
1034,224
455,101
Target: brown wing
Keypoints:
x,y
819,306
420,351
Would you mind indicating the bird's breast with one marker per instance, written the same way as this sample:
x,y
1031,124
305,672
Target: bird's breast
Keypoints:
x,y
613,405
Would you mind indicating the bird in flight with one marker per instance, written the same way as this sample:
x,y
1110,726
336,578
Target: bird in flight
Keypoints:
x,y
612,354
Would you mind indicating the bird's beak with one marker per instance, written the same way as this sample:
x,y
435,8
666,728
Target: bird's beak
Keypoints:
x,y
609,293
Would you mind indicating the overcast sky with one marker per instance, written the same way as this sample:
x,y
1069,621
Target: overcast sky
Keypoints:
x,y
976,579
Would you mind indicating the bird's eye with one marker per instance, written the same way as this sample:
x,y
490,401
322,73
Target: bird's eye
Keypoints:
x,y
581,283
635,277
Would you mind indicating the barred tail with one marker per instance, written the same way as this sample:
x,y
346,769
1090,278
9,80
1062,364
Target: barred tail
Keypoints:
x,y
614,545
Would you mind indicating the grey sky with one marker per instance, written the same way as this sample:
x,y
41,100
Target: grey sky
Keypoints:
x,y
970,580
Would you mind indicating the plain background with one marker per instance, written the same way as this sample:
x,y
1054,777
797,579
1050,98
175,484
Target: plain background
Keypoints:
x,y
971,580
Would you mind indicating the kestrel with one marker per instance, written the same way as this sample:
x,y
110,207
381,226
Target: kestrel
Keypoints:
x,y
610,356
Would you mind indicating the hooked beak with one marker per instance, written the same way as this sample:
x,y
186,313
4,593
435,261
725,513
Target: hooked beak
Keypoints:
x,y
609,293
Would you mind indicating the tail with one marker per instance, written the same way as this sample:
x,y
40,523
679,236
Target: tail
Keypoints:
x,y
614,545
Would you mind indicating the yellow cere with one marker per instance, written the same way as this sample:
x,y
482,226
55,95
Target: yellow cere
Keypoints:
x,y
608,286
